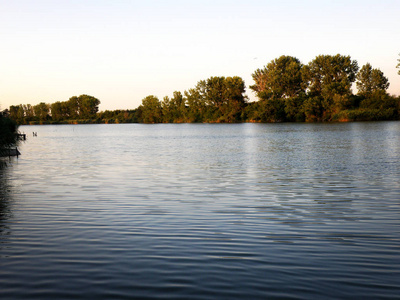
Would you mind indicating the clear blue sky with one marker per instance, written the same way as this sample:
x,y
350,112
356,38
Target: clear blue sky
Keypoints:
x,y
121,51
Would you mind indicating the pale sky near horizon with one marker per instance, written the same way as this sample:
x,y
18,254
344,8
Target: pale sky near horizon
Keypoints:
x,y
122,51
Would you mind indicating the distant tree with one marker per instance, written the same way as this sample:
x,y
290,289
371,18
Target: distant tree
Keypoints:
x,y
17,113
56,111
89,106
325,77
196,104
74,107
370,80
42,111
81,107
236,100
174,108
167,110
272,110
279,84
151,111
29,113
223,97
281,78
178,107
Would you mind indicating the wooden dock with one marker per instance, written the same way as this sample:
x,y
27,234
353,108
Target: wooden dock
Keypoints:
x,y
10,152
21,136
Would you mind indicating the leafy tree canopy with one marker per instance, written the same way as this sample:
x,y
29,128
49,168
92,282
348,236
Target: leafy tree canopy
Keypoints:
x,y
281,78
370,80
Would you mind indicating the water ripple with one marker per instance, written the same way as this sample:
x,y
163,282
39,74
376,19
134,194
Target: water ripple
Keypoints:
x,y
197,211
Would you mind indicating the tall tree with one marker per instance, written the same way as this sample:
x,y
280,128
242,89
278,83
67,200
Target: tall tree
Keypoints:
x,y
56,111
29,113
42,111
280,86
89,106
224,98
167,110
196,104
370,80
151,111
234,92
17,114
281,78
325,77
74,107
174,108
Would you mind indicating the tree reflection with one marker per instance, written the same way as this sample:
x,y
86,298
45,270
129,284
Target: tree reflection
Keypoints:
x,y
5,210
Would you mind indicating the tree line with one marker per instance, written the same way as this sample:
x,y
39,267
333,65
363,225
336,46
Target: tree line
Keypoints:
x,y
286,89
83,107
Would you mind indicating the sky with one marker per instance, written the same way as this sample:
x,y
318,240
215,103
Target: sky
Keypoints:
x,y
122,51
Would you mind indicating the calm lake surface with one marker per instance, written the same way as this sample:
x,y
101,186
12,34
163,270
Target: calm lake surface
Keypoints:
x,y
200,211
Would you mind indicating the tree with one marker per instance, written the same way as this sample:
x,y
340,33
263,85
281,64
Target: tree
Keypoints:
x,y
281,78
29,113
81,107
196,105
235,99
73,107
325,77
89,106
56,111
17,113
280,86
166,110
178,107
371,80
151,111
42,111
217,99
173,108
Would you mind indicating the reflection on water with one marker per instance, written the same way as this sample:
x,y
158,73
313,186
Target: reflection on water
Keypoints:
x,y
5,204
199,211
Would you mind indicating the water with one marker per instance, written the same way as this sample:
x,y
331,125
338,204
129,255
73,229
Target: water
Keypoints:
x,y
199,211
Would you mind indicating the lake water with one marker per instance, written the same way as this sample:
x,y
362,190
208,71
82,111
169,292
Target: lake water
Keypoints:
x,y
202,211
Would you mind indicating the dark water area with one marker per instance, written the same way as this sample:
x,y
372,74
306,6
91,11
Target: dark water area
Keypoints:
x,y
200,211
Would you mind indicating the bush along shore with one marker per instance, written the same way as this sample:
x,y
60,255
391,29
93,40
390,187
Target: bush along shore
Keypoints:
x,y
286,89
9,136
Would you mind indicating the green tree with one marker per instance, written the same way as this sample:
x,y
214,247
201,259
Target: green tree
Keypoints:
x,y
17,114
42,111
196,104
81,107
174,108
74,107
151,111
280,86
89,106
178,107
222,98
167,110
313,109
325,77
56,111
234,91
370,80
281,78
29,113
